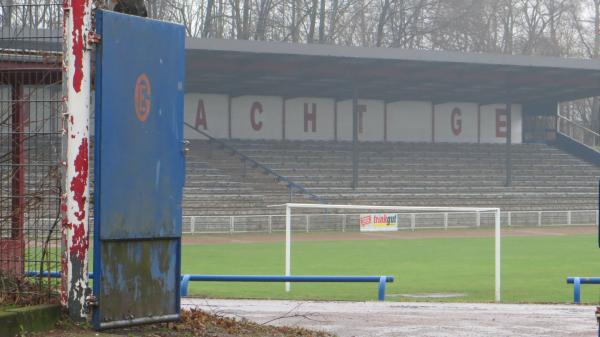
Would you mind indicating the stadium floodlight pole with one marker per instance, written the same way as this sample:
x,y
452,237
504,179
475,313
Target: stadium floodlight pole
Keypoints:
x,y
77,21
497,231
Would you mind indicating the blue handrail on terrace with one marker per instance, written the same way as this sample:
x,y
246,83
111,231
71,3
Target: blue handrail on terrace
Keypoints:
x,y
245,158
186,278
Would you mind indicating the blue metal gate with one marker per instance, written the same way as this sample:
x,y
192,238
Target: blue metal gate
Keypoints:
x,y
139,170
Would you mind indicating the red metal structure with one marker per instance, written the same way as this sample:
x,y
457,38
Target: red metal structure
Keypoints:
x,y
16,245
30,149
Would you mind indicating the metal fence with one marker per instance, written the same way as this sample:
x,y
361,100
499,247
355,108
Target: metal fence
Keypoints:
x,y
577,132
406,221
30,150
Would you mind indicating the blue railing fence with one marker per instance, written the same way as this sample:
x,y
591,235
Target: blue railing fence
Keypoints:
x,y
187,278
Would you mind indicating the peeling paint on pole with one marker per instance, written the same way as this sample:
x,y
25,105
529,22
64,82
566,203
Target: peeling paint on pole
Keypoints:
x,y
75,200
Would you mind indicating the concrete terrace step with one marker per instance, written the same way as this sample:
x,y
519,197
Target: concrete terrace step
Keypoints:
x,y
544,177
461,190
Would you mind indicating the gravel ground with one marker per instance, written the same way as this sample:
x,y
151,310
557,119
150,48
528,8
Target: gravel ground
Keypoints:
x,y
418,319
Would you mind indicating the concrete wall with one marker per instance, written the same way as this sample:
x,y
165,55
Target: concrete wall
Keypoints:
x,y
409,121
370,120
207,112
256,117
455,123
311,118
493,123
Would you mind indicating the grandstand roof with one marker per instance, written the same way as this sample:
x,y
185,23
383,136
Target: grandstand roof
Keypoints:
x,y
241,67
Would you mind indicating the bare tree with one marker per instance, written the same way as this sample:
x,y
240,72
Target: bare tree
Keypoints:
x,y
263,15
508,23
312,21
383,17
333,19
208,18
322,22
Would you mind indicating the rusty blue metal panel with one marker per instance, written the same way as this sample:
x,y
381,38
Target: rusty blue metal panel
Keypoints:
x,y
139,170
141,287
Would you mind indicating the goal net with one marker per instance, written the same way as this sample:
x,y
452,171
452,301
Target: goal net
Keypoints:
x,y
390,218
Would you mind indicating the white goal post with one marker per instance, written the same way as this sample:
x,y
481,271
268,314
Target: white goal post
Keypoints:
x,y
288,228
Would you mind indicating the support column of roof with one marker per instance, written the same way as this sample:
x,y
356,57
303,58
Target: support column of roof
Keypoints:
x,y
508,180
355,153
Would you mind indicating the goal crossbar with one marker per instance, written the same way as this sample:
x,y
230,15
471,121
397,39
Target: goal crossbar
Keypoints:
x,y
497,234
389,208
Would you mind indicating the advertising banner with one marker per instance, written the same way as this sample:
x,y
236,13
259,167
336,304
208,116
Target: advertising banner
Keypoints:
x,y
379,222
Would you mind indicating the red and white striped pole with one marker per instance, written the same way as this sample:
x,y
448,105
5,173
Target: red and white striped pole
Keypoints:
x,y
75,198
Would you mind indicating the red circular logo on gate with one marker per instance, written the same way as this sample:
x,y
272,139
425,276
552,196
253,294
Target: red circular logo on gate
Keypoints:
x,y
143,94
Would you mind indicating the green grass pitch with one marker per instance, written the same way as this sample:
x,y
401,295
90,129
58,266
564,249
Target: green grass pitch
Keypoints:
x,y
534,268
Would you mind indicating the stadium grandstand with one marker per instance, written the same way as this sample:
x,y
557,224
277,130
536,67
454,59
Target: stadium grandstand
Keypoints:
x,y
433,128
272,122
